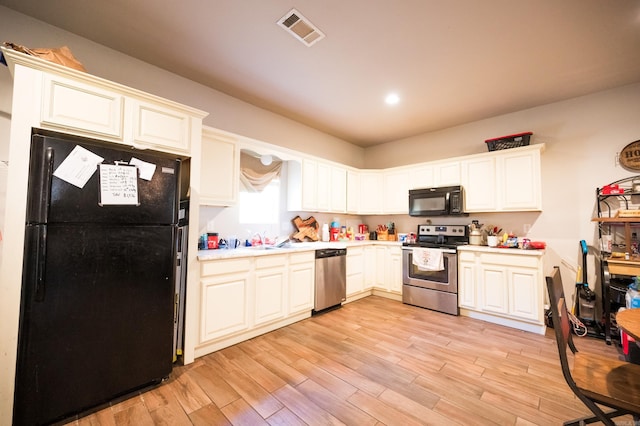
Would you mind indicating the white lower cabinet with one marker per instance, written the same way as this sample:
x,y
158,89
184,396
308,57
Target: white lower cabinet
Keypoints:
x,y
355,270
505,287
247,296
225,286
394,271
369,267
270,283
301,281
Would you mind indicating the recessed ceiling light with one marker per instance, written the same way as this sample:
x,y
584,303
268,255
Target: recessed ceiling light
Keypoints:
x,y
392,99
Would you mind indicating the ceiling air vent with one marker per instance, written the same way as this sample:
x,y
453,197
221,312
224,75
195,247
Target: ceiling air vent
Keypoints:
x,y
301,28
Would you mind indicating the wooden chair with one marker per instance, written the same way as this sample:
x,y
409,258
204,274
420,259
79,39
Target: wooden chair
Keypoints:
x,y
606,381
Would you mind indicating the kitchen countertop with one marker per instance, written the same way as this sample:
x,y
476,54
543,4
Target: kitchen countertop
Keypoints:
x,y
487,249
293,247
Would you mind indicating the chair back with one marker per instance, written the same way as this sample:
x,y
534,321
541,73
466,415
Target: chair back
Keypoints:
x,y
561,322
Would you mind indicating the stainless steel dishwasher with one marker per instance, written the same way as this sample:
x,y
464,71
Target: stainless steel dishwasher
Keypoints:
x,y
331,278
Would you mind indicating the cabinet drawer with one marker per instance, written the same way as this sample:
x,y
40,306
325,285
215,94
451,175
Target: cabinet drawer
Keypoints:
x,y
466,256
303,257
71,104
218,267
270,261
509,260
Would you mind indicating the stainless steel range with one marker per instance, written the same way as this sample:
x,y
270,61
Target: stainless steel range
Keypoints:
x,y
430,267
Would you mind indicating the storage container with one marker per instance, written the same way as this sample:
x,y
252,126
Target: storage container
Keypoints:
x,y
509,141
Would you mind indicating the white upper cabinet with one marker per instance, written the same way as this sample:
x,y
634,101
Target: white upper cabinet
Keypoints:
x,y
338,194
371,192
518,179
446,173
72,104
316,186
353,191
81,104
497,181
439,173
219,169
507,180
396,191
160,127
479,182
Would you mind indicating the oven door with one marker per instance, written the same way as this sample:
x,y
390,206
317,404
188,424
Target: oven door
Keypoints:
x,y
445,280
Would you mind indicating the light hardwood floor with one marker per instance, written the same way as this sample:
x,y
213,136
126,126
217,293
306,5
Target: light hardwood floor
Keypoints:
x,y
372,362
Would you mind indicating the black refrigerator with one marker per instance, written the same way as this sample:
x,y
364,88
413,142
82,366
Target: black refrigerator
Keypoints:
x,y
97,308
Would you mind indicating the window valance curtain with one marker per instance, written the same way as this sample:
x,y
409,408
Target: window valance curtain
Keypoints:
x,y
254,175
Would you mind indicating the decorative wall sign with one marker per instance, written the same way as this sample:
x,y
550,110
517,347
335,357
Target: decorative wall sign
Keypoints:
x,y
630,156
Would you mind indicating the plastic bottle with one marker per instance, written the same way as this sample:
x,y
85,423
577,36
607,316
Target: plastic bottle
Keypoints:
x,y
325,232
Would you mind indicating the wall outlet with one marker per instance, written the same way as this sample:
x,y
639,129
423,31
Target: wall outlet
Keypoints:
x,y
526,228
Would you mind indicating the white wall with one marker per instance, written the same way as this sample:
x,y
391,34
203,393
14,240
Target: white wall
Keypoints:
x,y
226,113
582,138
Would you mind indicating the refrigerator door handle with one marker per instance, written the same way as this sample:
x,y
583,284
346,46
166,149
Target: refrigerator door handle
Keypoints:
x,y
47,178
40,269
39,200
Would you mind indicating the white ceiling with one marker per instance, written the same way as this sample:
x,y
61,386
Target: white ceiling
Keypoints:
x,y
450,61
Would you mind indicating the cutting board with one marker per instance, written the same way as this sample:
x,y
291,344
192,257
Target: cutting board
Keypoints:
x,y
306,229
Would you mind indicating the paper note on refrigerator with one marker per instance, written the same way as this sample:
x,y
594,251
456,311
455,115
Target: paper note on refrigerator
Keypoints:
x,y
78,167
118,184
146,169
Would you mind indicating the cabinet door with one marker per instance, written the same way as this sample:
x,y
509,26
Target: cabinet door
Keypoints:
x,y
396,192
494,292
371,192
524,294
467,282
355,270
353,191
421,177
270,281
381,268
519,180
478,180
90,109
446,173
369,267
224,305
394,269
301,285
219,170
323,187
338,191
160,128
309,186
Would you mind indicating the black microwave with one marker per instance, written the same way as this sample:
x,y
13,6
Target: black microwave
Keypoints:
x,y
440,201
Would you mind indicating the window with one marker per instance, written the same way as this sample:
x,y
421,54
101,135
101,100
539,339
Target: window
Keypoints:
x,y
260,207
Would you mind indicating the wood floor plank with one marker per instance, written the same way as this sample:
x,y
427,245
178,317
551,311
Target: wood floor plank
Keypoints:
x,y
381,411
240,413
258,371
335,405
340,388
252,393
209,415
189,394
280,369
213,384
304,408
134,415
285,417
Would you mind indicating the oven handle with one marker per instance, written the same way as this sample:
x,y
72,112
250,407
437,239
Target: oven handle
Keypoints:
x,y
445,250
